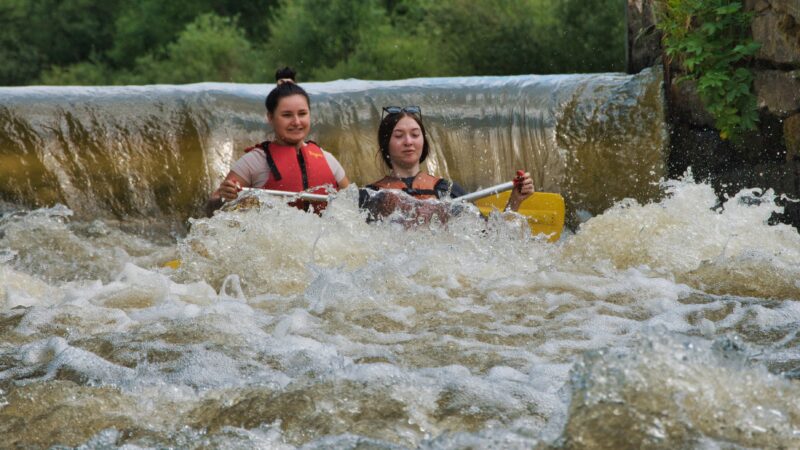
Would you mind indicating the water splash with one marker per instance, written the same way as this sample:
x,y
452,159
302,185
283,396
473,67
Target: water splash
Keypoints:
x,y
726,248
286,329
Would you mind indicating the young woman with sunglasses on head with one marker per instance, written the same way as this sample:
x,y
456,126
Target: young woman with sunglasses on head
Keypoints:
x,y
404,147
289,163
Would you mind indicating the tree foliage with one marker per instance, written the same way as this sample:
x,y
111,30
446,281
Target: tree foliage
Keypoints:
x,y
592,33
313,34
494,37
210,48
43,33
710,40
151,41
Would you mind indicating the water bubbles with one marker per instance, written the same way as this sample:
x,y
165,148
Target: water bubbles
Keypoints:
x,y
232,282
97,229
7,255
707,328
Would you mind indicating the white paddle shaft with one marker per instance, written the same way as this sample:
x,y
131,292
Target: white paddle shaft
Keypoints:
x,y
303,195
324,198
477,195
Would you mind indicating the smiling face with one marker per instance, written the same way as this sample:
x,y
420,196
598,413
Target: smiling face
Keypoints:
x,y
405,144
291,120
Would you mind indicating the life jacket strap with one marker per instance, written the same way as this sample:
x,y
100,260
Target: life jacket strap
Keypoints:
x,y
301,160
273,168
303,170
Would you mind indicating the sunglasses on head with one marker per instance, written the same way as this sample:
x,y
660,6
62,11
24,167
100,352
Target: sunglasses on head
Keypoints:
x,y
404,109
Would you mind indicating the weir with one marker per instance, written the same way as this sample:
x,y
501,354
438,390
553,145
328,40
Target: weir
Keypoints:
x,y
156,152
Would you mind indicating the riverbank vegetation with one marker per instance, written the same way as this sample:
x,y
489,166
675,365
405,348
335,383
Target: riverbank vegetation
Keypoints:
x,y
710,40
99,42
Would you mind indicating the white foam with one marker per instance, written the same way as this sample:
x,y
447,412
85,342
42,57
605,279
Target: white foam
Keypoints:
x,y
55,354
459,325
19,289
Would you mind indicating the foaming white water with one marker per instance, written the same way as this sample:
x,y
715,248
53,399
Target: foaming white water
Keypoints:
x,y
46,243
724,249
283,329
667,389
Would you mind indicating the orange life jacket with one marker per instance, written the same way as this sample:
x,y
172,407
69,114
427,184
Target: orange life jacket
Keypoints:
x,y
296,170
422,187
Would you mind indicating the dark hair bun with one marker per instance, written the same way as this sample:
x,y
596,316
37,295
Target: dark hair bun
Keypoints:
x,y
286,86
286,72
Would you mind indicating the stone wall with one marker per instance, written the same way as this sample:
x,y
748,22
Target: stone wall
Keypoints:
x,y
776,26
644,46
767,158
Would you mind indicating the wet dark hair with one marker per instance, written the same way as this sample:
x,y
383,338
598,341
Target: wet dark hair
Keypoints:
x,y
386,129
284,89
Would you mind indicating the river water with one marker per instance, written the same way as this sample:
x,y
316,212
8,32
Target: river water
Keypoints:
x,y
666,319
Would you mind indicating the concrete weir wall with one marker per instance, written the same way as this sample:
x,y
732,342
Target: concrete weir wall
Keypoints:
x,y
767,158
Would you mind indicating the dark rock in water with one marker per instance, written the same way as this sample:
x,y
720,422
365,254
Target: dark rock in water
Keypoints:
x,y
791,136
777,27
644,40
685,104
778,91
764,145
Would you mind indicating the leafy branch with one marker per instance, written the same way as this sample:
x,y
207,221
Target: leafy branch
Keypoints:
x,y
710,40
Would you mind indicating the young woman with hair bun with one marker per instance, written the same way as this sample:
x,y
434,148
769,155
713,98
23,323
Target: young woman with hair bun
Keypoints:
x,y
289,162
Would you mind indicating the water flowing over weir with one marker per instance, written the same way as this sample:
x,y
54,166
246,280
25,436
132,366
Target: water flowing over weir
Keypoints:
x,y
157,151
666,320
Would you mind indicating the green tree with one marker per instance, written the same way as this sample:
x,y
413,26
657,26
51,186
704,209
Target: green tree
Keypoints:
x,y
145,25
151,41
389,56
89,73
399,46
37,34
312,35
590,36
495,37
211,48
252,16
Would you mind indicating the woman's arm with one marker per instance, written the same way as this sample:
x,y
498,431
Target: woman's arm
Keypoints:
x,y
337,169
228,190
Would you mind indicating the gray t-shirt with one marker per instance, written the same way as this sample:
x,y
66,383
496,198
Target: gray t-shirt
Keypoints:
x,y
252,167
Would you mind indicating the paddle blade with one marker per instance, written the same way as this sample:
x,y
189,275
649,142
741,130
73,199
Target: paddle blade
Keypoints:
x,y
544,210
173,264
